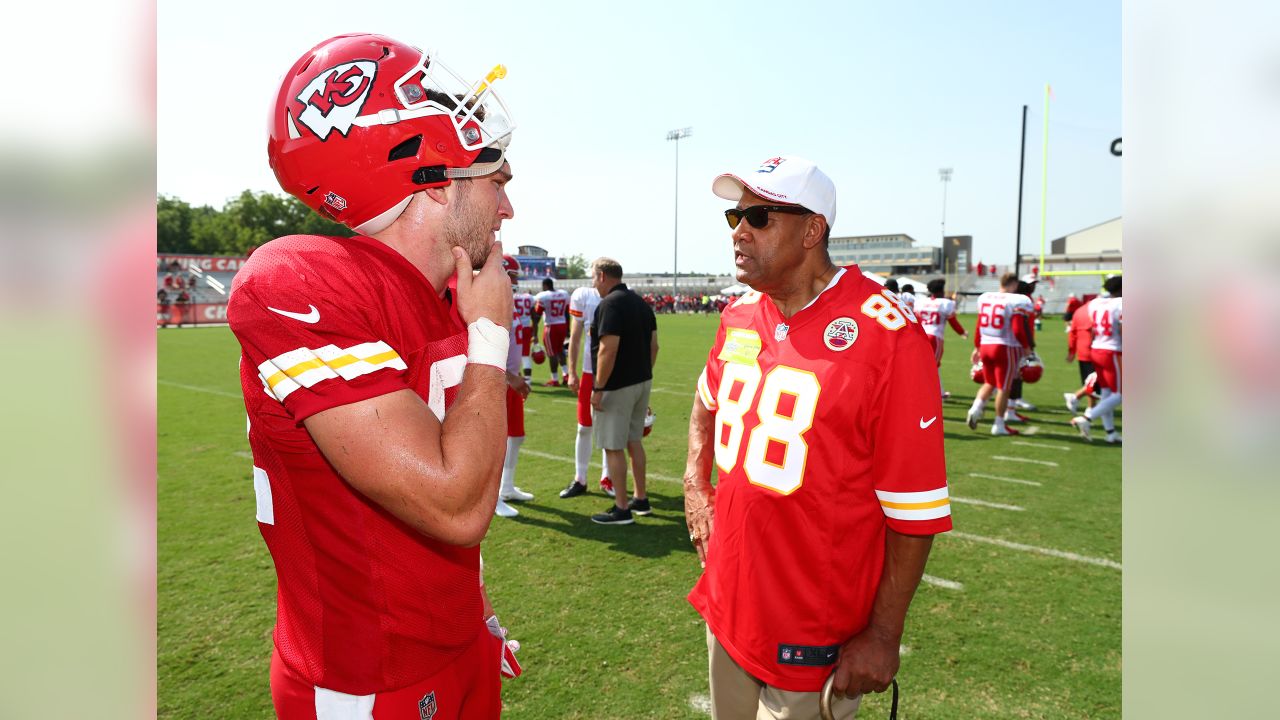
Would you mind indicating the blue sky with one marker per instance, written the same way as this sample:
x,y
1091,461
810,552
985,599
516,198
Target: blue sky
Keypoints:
x,y
880,95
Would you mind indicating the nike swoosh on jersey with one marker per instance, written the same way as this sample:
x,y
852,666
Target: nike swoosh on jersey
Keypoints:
x,y
924,424
312,317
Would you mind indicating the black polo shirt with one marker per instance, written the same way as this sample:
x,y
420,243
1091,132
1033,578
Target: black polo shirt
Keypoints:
x,y
627,315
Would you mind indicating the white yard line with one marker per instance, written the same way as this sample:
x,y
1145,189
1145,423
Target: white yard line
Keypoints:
x,y
984,503
1016,481
560,458
1101,562
1031,430
939,582
243,454
1006,458
1046,446
562,401
194,388
700,702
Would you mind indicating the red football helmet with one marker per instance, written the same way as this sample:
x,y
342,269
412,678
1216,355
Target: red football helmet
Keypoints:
x,y
975,372
512,266
649,417
1031,369
538,354
361,122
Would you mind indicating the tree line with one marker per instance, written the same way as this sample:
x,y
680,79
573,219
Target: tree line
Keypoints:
x,y
251,219
243,223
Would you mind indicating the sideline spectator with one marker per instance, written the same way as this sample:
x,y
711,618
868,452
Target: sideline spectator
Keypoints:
x,y
624,342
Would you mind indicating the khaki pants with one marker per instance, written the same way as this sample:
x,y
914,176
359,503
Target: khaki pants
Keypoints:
x,y
737,695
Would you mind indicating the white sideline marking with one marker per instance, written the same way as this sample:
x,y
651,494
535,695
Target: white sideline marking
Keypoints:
x,y
1041,445
939,582
904,649
984,503
1005,479
1101,562
669,390
595,464
1006,458
562,401
700,702
1031,430
244,454
193,388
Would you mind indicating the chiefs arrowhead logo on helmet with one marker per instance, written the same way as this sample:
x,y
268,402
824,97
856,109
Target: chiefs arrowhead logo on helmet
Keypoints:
x,y
649,417
333,100
1031,369
975,372
539,355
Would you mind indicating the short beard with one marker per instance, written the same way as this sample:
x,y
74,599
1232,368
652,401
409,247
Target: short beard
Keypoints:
x,y
463,229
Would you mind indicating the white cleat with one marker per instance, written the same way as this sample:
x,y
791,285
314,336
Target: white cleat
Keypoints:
x,y
1081,423
1004,431
505,510
517,495
1073,402
1114,437
1021,404
971,419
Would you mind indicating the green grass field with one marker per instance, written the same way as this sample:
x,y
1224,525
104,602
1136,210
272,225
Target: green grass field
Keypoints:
x,y
1021,619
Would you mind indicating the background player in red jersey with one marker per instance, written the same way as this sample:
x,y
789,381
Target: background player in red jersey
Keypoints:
x,y
375,393
1107,314
819,411
1003,336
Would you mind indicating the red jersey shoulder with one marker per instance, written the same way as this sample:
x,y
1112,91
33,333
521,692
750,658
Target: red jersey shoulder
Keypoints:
x,y
315,261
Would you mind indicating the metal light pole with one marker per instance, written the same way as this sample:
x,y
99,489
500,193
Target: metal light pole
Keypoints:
x,y
676,135
944,174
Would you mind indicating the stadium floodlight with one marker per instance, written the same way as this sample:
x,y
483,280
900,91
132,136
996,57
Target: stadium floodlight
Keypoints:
x,y
944,174
676,135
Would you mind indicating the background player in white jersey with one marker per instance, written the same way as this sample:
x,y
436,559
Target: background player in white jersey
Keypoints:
x,y
553,306
1106,351
517,393
908,296
1004,335
523,327
935,312
582,310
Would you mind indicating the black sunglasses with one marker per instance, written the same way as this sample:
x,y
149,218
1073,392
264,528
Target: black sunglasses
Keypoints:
x,y
758,215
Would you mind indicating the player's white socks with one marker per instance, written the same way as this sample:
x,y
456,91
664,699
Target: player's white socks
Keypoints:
x,y
509,464
998,425
582,454
1109,421
978,407
1108,403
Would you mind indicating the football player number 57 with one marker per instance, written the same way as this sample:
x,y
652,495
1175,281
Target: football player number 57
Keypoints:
x,y
785,402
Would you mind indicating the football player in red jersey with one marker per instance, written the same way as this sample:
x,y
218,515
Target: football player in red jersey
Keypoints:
x,y
1003,337
374,392
819,411
517,394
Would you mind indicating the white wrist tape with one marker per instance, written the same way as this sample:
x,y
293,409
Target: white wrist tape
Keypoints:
x,y
487,343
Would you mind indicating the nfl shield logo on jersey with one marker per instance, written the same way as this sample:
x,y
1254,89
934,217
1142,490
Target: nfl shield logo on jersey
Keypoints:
x,y
840,334
780,332
427,706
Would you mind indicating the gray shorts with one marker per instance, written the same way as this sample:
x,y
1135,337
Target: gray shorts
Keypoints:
x,y
620,418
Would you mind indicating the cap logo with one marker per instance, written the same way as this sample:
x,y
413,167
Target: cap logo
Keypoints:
x,y
334,98
770,165
840,334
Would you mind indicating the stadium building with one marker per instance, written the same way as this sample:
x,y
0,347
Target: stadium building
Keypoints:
x,y
1097,247
892,254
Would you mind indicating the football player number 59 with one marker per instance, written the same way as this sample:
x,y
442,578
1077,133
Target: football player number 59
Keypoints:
x,y
785,403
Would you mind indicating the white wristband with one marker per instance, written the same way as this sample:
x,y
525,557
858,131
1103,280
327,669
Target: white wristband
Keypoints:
x,y
487,343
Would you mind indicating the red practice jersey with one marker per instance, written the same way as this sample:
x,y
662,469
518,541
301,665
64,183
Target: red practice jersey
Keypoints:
x,y
828,430
365,603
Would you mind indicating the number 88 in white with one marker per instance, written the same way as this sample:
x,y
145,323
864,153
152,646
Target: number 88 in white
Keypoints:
x,y
787,404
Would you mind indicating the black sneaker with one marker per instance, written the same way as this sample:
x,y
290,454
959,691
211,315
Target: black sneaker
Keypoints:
x,y
574,490
613,516
639,506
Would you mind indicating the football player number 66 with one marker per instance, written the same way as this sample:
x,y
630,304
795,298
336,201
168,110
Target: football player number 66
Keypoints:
x,y
776,451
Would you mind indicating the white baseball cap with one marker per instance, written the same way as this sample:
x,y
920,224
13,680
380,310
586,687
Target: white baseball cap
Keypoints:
x,y
787,179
